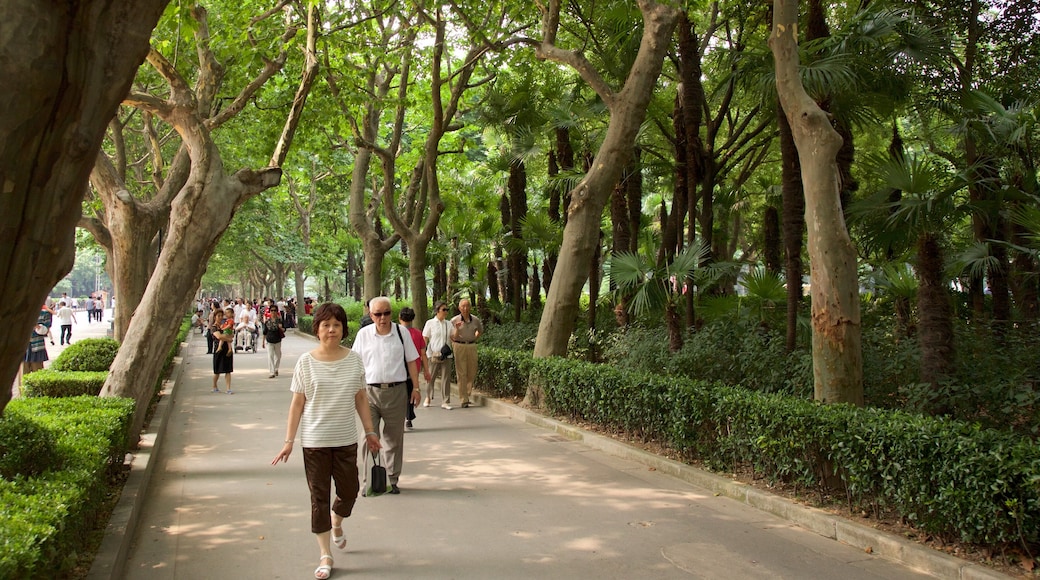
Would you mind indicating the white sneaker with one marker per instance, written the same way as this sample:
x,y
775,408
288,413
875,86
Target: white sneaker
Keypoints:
x,y
447,406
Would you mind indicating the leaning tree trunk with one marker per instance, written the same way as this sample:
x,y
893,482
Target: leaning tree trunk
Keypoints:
x,y
627,112
51,127
200,214
837,352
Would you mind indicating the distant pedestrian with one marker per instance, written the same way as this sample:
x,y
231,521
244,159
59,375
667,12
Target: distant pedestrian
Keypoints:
x,y
274,332
405,319
468,329
437,333
90,309
224,355
36,353
328,388
66,317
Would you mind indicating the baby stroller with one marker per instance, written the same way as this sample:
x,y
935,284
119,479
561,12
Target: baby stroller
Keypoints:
x,y
245,338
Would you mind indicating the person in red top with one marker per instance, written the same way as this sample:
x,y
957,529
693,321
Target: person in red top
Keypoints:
x,y
308,306
405,319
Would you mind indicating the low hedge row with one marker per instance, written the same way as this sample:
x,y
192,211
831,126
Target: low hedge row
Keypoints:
x,y
46,517
51,383
945,477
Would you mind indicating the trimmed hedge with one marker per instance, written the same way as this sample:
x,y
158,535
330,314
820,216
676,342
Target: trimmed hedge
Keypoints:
x,y
51,383
89,354
946,477
45,519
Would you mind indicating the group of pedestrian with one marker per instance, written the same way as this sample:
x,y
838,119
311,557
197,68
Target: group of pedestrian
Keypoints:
x,y
376,380
95,306
229,321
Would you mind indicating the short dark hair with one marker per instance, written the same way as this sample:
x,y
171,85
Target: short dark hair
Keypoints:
x,y
327,311
407,314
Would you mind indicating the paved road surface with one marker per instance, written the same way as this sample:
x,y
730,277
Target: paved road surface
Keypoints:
x,y
483,496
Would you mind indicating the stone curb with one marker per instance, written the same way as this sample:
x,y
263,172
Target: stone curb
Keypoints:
x,y
870,540
112,554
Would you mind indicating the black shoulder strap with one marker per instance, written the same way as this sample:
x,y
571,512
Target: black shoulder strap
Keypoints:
x,y
404,351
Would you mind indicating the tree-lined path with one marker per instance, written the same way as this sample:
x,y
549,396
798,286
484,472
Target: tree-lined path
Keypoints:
x,y
482,496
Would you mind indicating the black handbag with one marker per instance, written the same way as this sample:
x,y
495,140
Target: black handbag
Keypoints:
x,y
376,478
446,351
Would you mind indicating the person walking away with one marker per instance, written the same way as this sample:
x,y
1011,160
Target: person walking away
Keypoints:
x,y
405,319
90,309
436,332
224,354
467,330
274,332
389,360
328,391
65,318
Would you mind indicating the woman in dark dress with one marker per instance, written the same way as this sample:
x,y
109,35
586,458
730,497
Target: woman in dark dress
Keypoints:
x,y
223,354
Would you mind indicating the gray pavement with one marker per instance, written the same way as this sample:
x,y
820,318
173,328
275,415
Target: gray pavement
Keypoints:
x,y
487,492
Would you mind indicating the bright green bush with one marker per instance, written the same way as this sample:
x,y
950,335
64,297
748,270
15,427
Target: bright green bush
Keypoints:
x,y
45,519
947,477
305,324
89,354
51,383
26,448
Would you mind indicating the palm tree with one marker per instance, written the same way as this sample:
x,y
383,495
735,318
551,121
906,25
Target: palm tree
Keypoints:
x,y
922,215
652,287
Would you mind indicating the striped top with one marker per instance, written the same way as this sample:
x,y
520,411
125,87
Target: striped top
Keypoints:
x,y
329,387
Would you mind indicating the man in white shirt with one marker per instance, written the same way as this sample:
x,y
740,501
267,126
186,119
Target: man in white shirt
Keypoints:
x,y
66,317
389,357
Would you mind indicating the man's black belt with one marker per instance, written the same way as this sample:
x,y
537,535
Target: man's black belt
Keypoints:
x,y
385,385
463,341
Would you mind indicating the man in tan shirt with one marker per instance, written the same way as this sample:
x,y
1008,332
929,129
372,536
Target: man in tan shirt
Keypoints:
x,y
466,329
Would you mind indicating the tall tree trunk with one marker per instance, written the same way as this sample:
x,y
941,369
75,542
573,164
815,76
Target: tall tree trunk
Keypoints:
x,y
1023,279
517,187
771,251
935,328
562,159
837,351
52,120
627,112
794,225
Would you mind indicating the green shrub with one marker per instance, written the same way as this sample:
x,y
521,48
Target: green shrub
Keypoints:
x,y
89,354
45,520
949,478
51,383
26,448
305,324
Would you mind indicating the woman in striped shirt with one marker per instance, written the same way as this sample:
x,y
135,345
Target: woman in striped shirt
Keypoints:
x,y
328,391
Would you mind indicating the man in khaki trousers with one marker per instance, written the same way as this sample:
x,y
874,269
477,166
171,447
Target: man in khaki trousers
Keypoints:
x,y
466,330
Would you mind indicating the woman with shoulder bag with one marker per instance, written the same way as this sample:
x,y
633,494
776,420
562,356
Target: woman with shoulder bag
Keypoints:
x,y
436,332
274,332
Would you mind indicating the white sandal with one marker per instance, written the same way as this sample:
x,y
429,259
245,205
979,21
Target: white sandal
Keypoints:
x,y
339,541
324,571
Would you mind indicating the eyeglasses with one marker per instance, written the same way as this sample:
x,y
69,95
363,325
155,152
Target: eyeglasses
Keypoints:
x,y
381,314
444,309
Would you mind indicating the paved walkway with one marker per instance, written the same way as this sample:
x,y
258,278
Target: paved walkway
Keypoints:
x,y
484,495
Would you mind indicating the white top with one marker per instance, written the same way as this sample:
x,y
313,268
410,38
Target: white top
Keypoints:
x,y
382,354
437,333
65,315
329,387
